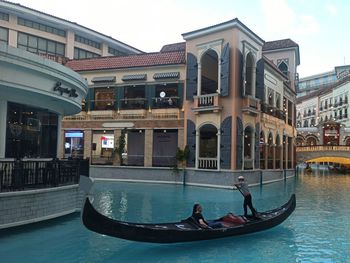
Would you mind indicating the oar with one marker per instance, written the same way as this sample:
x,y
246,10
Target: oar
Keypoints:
x,y
239,189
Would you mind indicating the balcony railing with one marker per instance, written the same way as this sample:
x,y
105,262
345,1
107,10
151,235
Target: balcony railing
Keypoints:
x,y
133,103
166,102
207,163
208,102
251,105
16,175
322,148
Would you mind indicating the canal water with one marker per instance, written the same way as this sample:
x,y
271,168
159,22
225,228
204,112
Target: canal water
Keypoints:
x,y
317,231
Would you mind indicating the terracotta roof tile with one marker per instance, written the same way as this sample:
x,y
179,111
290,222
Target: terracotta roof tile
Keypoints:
x,y
131,61
279,44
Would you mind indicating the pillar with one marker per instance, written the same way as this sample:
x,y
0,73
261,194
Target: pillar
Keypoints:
x,y
197,150
60,139
3,125
148,148
274,156
218,150
266,154
87,143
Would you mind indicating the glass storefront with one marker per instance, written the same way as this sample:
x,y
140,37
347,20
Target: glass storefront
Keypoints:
x,y
31,132
74,144
102,147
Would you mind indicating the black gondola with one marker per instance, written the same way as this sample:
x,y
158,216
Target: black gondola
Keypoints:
x,y
183,231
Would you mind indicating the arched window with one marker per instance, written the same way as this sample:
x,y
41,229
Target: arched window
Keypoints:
x,y
249,74
283,67
209,72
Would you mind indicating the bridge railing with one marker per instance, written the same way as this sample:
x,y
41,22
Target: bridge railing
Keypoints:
x,y
319,148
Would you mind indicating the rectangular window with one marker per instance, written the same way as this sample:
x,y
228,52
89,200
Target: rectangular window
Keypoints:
x,y
39,26
4,16
81,54
4,35
116,52
36,44
86,41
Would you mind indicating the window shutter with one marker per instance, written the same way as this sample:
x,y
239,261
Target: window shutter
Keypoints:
x,y
191,142
150,94
225,71
120,91
239,146
226,127
191,78
90,98
180,94
260,79
257,146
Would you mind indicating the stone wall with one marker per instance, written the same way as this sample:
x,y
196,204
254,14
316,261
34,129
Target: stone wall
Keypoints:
x,y
222,179
24,207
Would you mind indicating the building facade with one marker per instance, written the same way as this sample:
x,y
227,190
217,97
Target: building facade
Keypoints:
x,y
224,94
226,99
35,94
319,81
53,37
322,116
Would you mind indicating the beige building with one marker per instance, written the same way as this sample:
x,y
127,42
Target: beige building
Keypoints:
x,y
232,105
53,37
225,93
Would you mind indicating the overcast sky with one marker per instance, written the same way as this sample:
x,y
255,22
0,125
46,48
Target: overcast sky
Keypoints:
x,y
320,27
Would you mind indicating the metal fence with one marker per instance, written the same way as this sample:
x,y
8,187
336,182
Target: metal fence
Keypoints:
x,y
17,175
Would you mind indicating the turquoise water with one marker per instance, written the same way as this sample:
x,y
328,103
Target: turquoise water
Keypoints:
x,y
317,231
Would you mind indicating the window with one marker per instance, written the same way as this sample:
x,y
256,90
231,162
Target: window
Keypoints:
x,y
81,53
39,45
284,68
4,16
116,52
41,27
4,35
86,41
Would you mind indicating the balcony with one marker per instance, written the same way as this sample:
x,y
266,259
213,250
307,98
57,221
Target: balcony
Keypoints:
x,y
251,106
207,163
205,103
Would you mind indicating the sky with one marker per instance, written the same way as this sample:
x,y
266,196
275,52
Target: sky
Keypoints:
x,y
320,27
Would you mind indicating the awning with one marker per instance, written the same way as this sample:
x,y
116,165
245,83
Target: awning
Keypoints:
x,y
341,160
103,79
134,77
167,75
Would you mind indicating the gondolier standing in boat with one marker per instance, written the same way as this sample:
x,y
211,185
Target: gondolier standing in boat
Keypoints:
x,y
242,186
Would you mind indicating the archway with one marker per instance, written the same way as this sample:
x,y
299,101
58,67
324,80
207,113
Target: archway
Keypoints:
x,y
262,150
208,146
248,148
250,74
209,72
270,151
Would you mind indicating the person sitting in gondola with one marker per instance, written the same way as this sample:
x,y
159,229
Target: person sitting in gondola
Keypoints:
x,y
242,186
198,217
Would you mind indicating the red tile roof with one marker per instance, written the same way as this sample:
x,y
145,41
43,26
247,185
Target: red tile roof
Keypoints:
x,y
131,61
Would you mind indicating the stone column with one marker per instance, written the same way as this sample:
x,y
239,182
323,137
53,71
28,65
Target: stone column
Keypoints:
x,y
87,143
266,153
180,139
70,39
148,148
218,150
197,150
274,156
280,152
60,139
286,153
13,34
3,125
199,79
